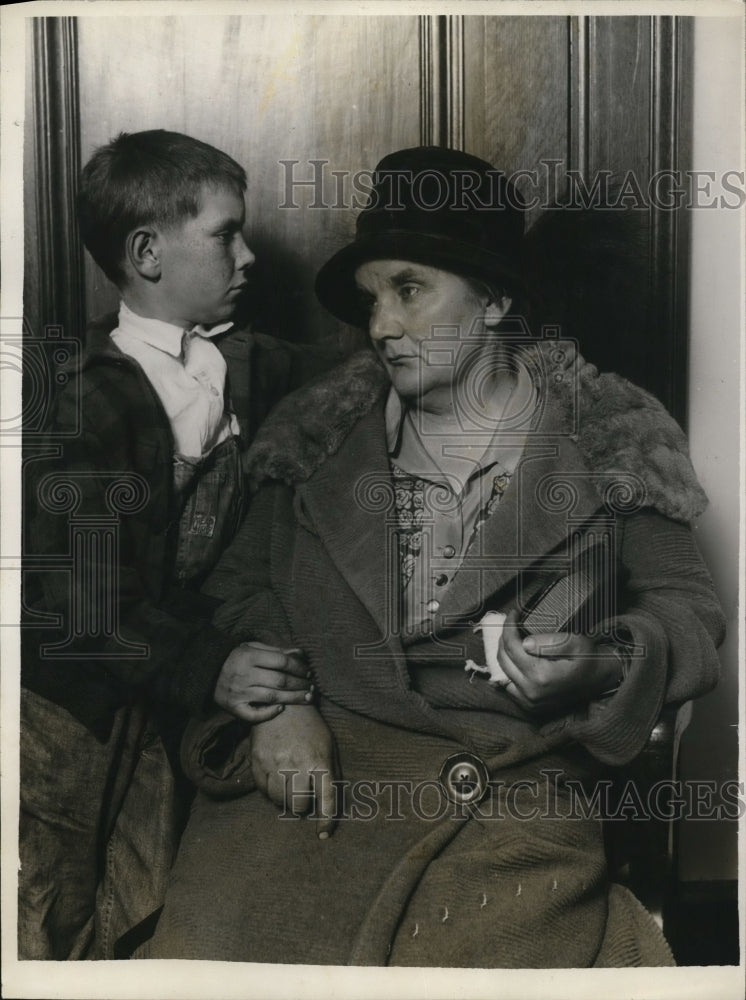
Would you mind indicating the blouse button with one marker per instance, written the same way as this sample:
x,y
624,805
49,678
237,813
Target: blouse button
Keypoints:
x,y
449,552
432,606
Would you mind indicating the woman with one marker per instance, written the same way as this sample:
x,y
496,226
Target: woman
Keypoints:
x,y
453,472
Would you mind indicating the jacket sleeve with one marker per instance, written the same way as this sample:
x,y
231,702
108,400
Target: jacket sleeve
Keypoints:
x,y
242,580
676,623
117,627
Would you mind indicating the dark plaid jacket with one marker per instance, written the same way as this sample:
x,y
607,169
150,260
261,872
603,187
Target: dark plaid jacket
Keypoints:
x,y
108,464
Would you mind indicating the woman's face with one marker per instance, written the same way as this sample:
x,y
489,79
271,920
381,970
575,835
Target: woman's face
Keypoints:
x,y
425,324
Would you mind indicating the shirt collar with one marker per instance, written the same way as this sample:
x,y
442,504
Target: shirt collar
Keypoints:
x,y
201,331
519,413
166,337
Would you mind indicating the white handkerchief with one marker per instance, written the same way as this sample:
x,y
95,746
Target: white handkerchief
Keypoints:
x,y
491,627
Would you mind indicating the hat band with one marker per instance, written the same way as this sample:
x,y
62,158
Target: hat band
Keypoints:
x,y
464,228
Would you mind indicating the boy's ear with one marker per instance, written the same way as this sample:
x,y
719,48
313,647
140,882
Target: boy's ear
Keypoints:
x,y
143,252
496,309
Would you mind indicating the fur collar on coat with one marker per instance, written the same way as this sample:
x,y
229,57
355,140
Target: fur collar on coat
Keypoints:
x,y
621,429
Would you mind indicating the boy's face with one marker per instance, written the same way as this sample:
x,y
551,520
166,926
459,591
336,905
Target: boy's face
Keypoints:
x,y
204,260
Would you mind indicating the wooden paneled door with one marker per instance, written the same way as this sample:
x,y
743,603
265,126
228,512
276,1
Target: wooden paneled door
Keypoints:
x,y
581,103
320,98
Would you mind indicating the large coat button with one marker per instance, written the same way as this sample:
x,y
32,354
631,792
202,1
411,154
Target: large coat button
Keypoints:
x,y
464,778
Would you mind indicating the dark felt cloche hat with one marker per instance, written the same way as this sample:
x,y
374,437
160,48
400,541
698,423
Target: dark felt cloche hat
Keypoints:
x,y
434,206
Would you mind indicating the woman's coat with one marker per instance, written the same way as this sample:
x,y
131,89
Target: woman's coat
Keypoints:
x,y
313,567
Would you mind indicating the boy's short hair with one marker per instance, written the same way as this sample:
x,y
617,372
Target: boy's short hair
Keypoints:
x,y
146,178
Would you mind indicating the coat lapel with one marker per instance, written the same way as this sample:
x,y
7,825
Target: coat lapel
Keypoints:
x,y
350,502
552,492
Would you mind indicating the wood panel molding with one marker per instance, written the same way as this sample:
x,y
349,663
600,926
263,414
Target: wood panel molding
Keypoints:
x,y
666,146
442,80
57,136
670,143
578,94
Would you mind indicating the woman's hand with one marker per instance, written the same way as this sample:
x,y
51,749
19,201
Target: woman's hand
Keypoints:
x,y
551,672
257,681
298,741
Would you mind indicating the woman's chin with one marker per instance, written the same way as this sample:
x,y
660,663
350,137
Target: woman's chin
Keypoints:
x,y
406,379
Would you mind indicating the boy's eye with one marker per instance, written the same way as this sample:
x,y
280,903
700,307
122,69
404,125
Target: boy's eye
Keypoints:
x,y
225,237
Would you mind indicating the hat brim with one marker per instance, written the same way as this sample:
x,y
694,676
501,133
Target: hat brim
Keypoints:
x,y
335,282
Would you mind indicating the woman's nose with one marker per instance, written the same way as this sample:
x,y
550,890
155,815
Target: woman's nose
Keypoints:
x,y
383,323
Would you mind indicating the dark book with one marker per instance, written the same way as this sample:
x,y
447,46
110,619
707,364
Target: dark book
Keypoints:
x,y
581,599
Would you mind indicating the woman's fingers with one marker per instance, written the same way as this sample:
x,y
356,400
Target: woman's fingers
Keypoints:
x,y
276,787
511,640
325,806
527,673
516,681
552,645
297,754
293,788
510,651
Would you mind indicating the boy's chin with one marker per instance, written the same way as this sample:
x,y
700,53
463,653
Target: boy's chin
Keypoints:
x,y
216,317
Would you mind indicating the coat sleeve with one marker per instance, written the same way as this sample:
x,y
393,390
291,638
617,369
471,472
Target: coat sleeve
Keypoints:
x,y
676,623
242,580
120,630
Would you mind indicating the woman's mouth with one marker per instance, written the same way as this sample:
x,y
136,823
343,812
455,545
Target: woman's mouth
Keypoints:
x,y
399,359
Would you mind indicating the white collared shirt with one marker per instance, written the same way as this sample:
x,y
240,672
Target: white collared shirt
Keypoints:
x,y
187,372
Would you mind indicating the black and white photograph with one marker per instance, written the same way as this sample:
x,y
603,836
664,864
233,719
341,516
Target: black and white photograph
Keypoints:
x,y
372,499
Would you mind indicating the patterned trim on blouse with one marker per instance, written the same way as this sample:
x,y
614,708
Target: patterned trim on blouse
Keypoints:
x,y
409,493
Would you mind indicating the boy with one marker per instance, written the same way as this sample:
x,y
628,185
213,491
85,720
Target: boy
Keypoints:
x,y
137,494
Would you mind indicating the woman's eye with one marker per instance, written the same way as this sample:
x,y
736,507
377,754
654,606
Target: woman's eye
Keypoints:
x,y
408,291
366,302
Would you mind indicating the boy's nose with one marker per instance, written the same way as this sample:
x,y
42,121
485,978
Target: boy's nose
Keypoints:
x,y
244,257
